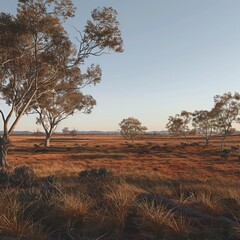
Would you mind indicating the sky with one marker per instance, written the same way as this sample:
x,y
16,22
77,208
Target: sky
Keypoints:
x,y
177,56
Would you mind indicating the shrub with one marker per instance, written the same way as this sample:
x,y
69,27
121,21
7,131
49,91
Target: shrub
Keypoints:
x,y
28,196
4,177
24,176
52,180
96,173
51,186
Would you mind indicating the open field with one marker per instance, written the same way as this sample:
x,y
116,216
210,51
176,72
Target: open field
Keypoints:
x,y
155,188
161,155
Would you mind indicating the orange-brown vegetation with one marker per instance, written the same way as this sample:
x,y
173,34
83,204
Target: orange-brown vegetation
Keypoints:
x,y
154,188
186,158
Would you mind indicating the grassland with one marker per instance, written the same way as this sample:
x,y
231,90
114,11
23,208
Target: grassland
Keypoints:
x,y
154,188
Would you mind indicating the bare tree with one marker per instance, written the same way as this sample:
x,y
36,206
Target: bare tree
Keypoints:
x,y
131,128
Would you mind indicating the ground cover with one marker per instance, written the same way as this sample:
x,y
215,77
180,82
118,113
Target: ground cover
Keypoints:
x,y
102,187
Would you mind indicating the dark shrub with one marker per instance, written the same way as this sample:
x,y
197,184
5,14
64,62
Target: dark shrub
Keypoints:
x,y
225,153
27,196
4,177
96,173
51,185
24,176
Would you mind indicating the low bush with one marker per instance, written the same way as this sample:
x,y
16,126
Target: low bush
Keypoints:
x,y
4,177
96,173
24,176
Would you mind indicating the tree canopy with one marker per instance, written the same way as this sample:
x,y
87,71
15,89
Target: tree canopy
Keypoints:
x,y
131,128
36,54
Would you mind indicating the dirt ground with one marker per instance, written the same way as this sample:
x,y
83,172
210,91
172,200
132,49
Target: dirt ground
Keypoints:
x,y
186,158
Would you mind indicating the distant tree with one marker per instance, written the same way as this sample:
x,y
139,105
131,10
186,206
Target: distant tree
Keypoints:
x,y
131,128
37,133
193,131
227,108
232,131
65,130
178,125
73,132
204,122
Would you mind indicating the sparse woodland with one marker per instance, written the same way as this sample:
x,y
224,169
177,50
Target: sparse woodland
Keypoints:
x,y
183,185
219,120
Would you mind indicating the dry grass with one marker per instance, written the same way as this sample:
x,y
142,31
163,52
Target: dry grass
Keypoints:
x,y
157,217
208,202
16,221
182,226
193,176
174,159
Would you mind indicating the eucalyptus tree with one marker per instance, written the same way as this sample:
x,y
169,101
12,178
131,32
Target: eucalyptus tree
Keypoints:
x,y
33,48
227,108
204,122
178,125
35,52
66,99
101,35
131,128
65,131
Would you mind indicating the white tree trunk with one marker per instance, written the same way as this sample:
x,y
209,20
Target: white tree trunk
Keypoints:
x,y
47,141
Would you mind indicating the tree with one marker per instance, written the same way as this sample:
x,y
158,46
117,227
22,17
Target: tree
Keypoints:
x,y
131,128
65,130
29,43
73,132
35,52
37,133
67,98
204,122
178,125
101,35
227,108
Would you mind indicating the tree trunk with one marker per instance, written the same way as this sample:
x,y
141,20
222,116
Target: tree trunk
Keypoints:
x,y
47,141
223,141
4,147
206,142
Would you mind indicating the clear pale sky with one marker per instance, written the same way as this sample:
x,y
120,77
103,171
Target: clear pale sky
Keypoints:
x,y
178,55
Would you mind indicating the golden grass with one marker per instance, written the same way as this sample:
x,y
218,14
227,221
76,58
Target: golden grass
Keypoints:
x,y
16,221
157,217
195,177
